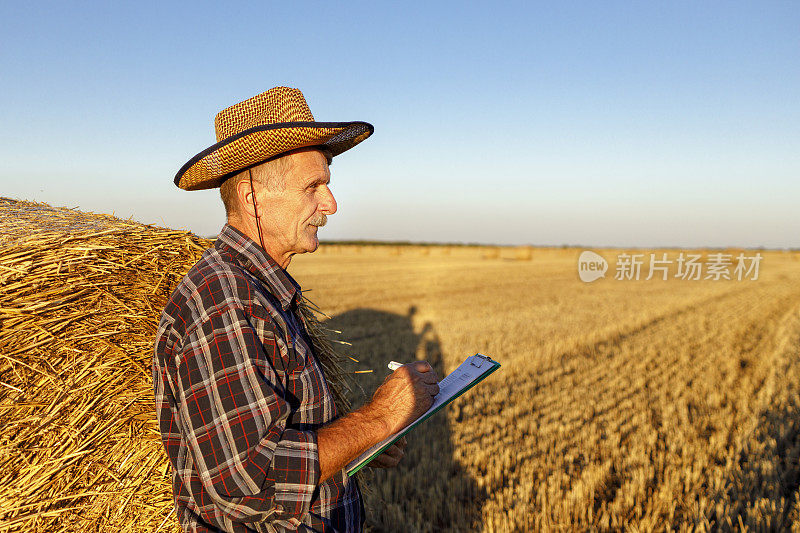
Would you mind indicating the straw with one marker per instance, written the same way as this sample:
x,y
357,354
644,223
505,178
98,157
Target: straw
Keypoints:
x,y
80,302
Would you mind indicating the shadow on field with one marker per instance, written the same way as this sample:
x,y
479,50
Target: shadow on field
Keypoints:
x,y
763,486
428,491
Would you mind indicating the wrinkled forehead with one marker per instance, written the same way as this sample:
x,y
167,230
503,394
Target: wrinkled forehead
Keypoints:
x,y
308,161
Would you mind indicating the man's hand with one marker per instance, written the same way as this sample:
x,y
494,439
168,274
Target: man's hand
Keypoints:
x,y
405,395
402,398
391,455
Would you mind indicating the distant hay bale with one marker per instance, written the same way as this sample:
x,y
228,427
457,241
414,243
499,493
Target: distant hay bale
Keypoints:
x,y
491,252
80,302
523,253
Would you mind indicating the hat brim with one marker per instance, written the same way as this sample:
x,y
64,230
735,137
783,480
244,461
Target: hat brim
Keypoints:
x,y
218,162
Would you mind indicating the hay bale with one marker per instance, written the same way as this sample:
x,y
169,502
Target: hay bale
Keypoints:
x,y
523,253
491,252
80,302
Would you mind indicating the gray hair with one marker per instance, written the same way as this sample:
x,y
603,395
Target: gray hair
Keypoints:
x,y
271,174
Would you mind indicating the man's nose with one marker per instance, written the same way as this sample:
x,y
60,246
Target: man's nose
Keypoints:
x,y
328,204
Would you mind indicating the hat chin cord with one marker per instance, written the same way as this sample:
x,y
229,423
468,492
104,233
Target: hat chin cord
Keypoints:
x,y
255,208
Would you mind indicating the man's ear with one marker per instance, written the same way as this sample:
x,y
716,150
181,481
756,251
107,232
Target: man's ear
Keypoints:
x,y
245,197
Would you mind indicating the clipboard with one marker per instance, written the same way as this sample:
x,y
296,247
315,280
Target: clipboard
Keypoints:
x,y
472,371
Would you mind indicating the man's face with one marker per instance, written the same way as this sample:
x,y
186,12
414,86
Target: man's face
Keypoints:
x,y
290,217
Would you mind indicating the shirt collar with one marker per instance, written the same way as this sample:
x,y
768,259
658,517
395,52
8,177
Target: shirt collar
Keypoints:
x,y
257,261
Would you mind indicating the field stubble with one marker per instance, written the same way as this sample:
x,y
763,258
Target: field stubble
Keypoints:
x,y
619,404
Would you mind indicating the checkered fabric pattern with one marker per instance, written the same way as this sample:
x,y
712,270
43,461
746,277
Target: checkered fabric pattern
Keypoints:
x,y
239,395
271,123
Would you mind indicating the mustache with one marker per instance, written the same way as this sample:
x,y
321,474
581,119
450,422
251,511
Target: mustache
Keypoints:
x,y
319,220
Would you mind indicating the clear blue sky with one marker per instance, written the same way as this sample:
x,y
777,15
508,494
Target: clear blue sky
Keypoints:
x,y
593,123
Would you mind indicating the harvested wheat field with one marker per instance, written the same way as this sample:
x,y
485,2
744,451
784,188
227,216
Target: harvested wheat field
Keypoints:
x,y
621,404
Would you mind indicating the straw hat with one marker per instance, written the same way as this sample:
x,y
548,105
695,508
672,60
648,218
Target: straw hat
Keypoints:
x,y
260,128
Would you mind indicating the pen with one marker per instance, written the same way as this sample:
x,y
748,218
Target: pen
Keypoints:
x,y
394,365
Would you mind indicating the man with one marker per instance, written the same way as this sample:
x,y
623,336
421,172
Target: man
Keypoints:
x,y
247,418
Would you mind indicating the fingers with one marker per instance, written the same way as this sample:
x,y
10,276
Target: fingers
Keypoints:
x,y
424,370
391,456
394,451
421,366
406,394
429,378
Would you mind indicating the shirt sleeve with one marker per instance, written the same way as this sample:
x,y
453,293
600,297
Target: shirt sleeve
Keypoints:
x,y
234,413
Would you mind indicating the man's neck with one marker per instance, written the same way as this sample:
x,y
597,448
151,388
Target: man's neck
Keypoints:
x,y
251,231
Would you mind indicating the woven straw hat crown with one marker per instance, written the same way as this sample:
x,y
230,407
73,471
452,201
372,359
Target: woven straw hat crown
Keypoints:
x,y
263,127
280,104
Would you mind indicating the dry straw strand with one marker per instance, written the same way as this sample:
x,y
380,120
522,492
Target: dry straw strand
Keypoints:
x,y
81,296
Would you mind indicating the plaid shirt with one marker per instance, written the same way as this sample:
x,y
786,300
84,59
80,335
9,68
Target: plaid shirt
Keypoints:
x,y
239,395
